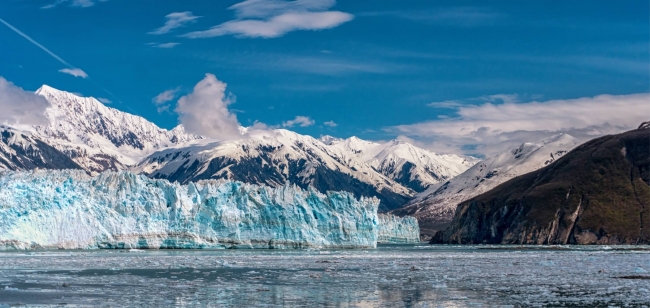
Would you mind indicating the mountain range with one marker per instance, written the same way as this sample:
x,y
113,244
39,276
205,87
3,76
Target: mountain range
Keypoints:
x,y
83,133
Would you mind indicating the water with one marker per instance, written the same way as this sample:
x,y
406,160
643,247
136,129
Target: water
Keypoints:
x,y
390,276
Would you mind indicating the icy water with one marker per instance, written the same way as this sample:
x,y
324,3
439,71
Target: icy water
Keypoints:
x,y
389,276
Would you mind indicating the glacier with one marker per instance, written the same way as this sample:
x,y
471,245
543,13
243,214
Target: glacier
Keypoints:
x,y
398,230
68,209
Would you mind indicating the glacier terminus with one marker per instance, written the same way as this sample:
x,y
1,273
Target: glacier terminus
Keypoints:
x,y
71,210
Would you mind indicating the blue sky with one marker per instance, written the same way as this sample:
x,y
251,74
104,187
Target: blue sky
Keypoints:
x,y
377,69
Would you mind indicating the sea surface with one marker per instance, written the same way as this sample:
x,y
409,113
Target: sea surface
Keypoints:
x,y
390,276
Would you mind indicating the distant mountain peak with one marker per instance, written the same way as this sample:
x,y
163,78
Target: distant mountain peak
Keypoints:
x,y
98,137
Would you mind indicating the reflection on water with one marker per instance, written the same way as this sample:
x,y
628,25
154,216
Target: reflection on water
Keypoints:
x,y
397,275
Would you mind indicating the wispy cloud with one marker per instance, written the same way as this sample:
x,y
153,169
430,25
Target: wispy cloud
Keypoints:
x,y
74,72
104,100
161,100
164,45
165,96
301,121
445,104
495,98
330,124
70,66
19,106
493,128
205,110
73,3
501,98
175,20
309,87
275,18
451,16
331,66
318,64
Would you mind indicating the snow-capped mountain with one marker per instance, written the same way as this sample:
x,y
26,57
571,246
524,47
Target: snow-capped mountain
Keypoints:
x,y
393,172
21,151
402,162
98,137
274,158
435,207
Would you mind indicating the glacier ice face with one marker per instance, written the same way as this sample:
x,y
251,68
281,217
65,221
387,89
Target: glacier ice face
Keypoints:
x,y
394,229
69,209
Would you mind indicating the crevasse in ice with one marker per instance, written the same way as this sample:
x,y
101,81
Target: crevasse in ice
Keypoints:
x,y
69,209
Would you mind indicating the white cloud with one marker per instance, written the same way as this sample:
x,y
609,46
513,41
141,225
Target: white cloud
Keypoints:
x,y
77,72
104,100
331,124
257,125
205,110
19,106
301,121
73,3
175,20
274,18
492,128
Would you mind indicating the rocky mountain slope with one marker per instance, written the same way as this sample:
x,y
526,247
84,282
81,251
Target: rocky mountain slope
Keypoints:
x,y
22,151
599,193
435,207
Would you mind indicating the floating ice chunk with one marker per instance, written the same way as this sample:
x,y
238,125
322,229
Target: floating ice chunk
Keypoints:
x,y
547,263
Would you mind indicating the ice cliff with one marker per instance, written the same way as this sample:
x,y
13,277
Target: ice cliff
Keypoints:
x,y
393,229
69,209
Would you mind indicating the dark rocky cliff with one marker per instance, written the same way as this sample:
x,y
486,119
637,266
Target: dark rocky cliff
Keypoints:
x,y
599,193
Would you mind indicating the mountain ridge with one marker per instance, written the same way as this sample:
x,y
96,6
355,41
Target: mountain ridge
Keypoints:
x,y
435,207
598,193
